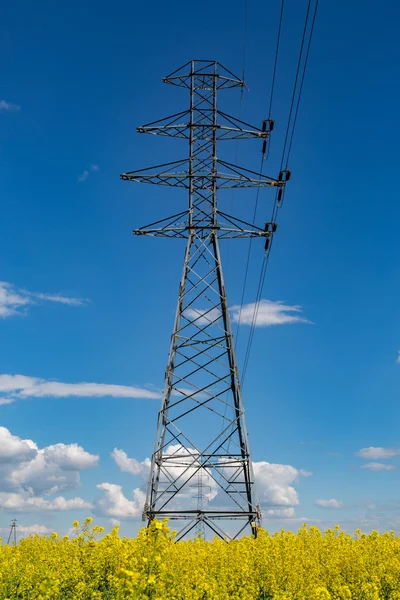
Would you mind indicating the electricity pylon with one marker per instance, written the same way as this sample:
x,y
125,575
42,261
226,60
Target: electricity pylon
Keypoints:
x,y
13,529
201,427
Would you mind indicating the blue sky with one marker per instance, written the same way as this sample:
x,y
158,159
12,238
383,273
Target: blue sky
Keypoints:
x,y
85,301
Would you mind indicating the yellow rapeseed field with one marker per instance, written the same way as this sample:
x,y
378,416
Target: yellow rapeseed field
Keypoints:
x,y
283,566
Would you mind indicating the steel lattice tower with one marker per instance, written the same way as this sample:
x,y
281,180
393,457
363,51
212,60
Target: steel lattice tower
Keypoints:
x,y
201,433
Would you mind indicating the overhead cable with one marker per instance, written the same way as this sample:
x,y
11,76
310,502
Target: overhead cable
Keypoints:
x,y
279,197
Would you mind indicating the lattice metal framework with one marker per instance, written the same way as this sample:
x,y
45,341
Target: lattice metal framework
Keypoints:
x,y
13,530
201,433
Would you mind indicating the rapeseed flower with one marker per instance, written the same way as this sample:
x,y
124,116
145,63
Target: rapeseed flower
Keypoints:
x,y
309,565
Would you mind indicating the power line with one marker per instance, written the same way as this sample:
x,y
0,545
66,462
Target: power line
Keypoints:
x,y
263,158
297,77
247,264
278,39
246,6
280,193
302,81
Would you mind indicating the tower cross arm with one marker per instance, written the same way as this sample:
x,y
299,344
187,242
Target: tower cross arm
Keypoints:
x,y
227,127
232,177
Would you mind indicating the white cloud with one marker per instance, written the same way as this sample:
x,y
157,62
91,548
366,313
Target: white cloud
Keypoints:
x,y
13,449
182,466
23,530
8,106
92,169
269,313
203,317
70,457
131,465
32,529
375,466
40,476
304,473
15,387
61,299
14,301
27,471
4,401
331,503
378,453
14,502
83,176
279,513
11,301
113,503
274,484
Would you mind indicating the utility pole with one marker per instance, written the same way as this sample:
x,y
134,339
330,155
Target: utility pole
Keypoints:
x,y
201,427
13,529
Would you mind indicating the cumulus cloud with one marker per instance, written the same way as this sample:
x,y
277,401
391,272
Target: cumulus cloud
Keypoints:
x,y
279,513
14,301
268,313
131,465
331,503
92,169
375,466
113,503
70,457
13,449
274,482
203,317
28,503
15,387
378,453
8,106
50,470
182,466
28,472
25,530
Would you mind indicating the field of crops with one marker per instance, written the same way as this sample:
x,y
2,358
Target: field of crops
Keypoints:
x,y
306,565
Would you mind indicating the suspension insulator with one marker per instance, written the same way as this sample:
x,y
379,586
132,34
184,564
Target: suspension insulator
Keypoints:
x,y
280,177
280,194
274,227
271,125
287,175
264,146
264,125
266,244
